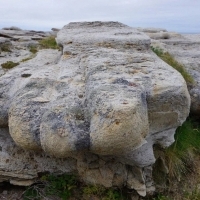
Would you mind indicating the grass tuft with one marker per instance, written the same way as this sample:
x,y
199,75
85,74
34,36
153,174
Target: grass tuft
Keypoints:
x,y
102,192
52,186
33,49
28,58
193,195
179,157
170,60
66,187
48,43
5,48
9,65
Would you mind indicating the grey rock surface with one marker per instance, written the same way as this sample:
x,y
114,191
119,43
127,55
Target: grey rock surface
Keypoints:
x,y
96,108
186,50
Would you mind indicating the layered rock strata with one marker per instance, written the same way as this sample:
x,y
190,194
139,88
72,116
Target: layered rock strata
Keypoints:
x,y
96,108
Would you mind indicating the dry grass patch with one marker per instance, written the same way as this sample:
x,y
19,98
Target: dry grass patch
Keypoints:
x,y
9,65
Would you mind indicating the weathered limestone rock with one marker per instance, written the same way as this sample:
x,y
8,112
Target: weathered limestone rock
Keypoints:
x,y
18,165
186,50
96,108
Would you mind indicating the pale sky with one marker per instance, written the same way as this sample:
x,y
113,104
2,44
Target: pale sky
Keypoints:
x,y
173,15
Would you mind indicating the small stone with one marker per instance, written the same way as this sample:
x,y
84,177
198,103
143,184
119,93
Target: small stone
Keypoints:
x,y
5,192
195,95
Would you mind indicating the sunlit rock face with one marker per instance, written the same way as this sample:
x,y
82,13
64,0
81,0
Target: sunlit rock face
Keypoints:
x,y
95,108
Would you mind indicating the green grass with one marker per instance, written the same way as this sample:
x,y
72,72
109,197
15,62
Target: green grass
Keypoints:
x,y
5,48
194,195
9,65
102,192
180,155
177,163
52,186
66,186
28,58
33,49
170,60
48,43
45,43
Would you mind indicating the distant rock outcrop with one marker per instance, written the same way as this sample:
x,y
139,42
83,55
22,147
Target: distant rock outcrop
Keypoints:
x,y
96,108
12,28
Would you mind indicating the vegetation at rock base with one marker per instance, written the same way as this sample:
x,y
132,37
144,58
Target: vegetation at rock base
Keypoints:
x,y
170,60
180,160
193,195
9,65
66,186
52,186
102,192
180,155
48,43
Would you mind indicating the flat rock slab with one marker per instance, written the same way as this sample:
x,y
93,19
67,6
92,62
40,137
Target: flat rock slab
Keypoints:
x,y
106,95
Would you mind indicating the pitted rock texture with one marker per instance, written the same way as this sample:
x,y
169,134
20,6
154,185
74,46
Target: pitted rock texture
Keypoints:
x,y
106,98
186,50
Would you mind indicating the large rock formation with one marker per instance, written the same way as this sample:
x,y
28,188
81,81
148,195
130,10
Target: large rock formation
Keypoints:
x,y
96,108
186,50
